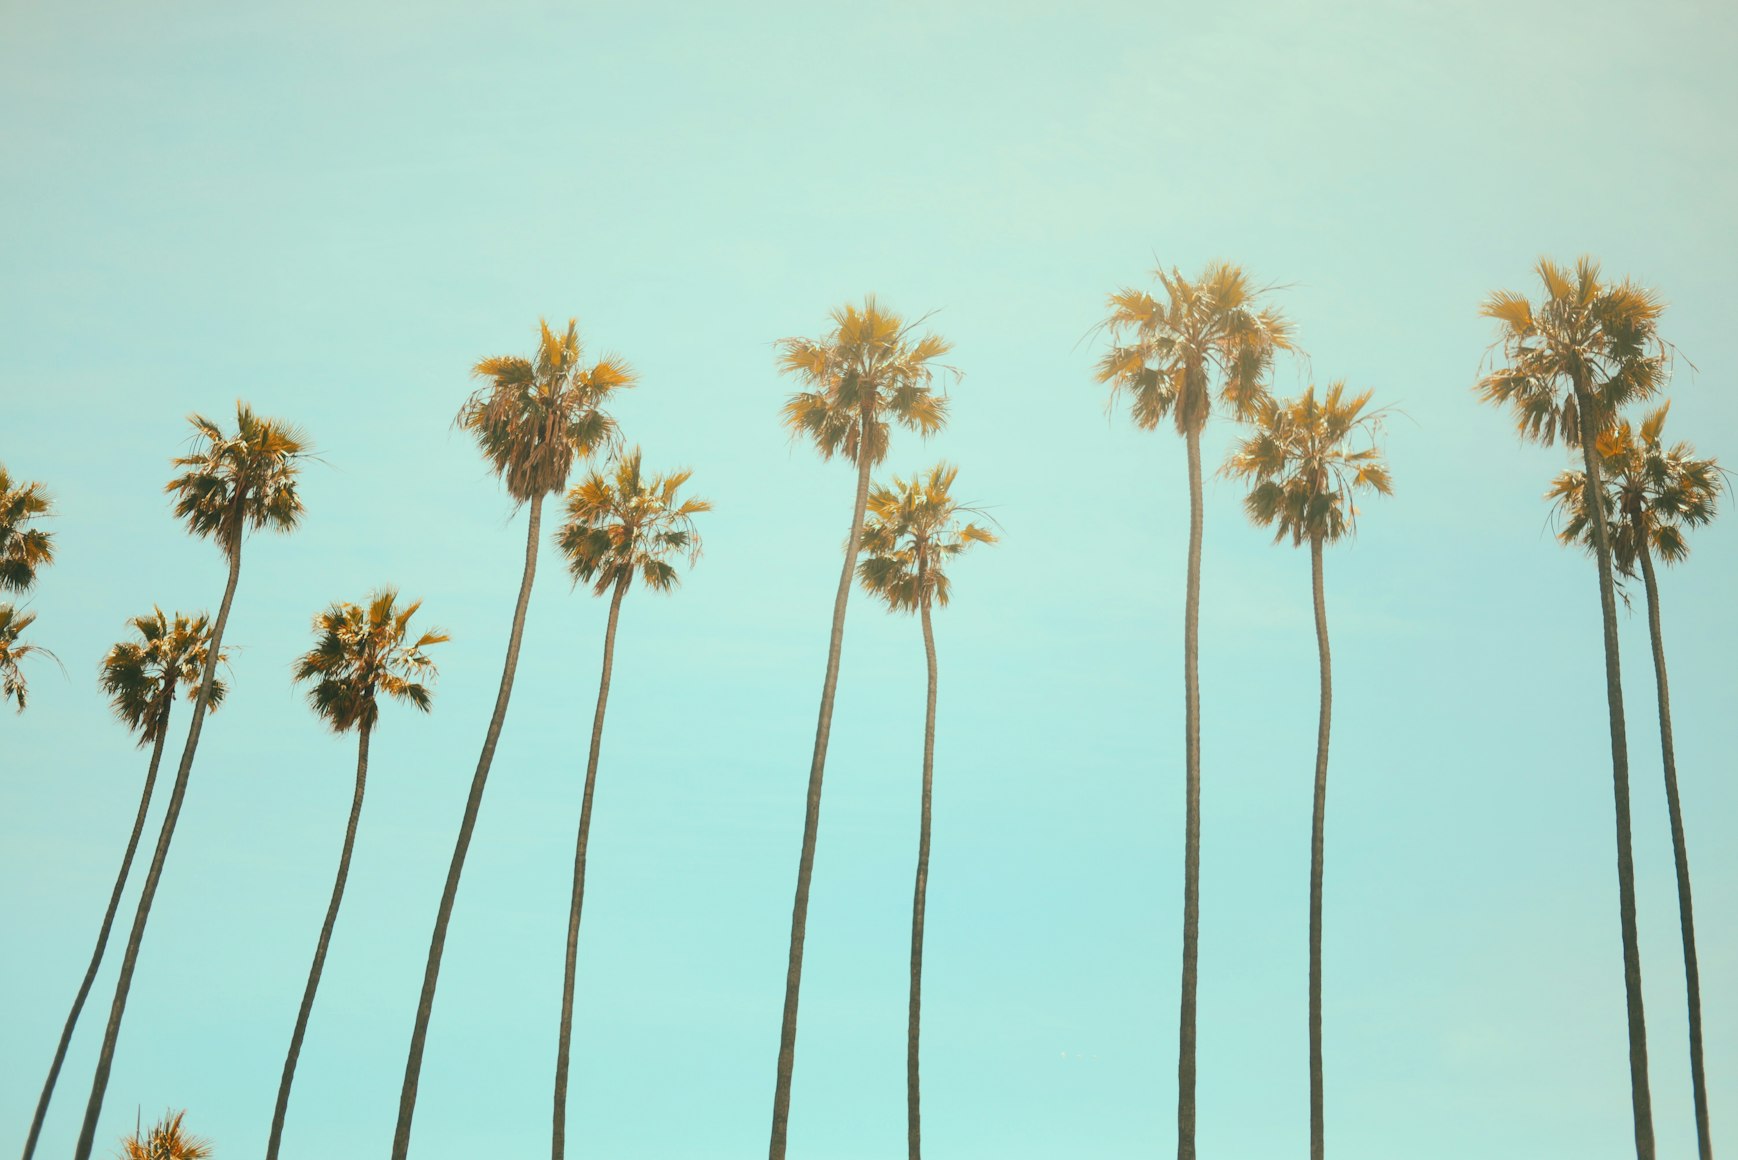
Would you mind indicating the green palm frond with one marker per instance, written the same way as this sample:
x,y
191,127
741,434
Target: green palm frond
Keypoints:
x,y
1303,469
628,523
910,534
23,549
141,676
364,651
231,484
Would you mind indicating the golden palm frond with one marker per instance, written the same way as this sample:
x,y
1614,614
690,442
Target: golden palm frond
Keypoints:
x,y
141,676
365,651
910,534
165,1141
23,549
234,483
629,523
1303,469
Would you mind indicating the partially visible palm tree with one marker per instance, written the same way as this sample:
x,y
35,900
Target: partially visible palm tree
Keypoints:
x,y
1567,364
1204,341
13,622
1653,494
532,421
911,534
23,549
1304,471
619,526
361,654
868,371
229,485
141,678
165,1141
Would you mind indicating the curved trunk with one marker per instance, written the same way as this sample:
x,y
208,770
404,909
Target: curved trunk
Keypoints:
x,y
787,1043
1318,825
289,1076
84,988
1640,1100
558,1144
438,941
913,1116
1192,812
1681,855
118,1009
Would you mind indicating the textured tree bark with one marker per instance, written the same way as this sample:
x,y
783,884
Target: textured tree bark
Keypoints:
x,y
558,1135
289,1076
1318,829
438,941
914,1019
1192,812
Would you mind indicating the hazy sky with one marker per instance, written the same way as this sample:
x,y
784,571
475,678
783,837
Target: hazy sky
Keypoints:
x,y
334,213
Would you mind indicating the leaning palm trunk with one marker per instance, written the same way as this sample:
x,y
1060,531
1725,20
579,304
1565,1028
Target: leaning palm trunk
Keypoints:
x,y
787,1046
84,988
558,1145
1681,855
1192,812
438,941
289,1076
106,1060
1318,826
1640,1099
913,1114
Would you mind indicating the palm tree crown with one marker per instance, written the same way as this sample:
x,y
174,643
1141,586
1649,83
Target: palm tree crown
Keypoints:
x,y
234,483
629,525
140,677
165,1141
363,652
1302,466
13,622
537,415
911,533
22,549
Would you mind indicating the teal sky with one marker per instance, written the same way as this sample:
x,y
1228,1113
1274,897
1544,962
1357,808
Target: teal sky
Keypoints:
x,y
333,212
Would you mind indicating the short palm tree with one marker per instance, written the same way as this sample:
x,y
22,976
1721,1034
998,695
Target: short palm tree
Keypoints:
x,y
1565,366
532,420
361,653
1653,495
1201,341
911,534
231,484
1304,472
23,549
619,526
165,1141
13,622
869,371
141,678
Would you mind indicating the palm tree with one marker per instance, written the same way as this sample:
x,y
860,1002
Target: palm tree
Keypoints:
x,y
1567,365
165,1141
868,371
911,533
13,622
1653,493
1203,341
141,678
617,528
1304,472
23,549
361,653
532,420
229,485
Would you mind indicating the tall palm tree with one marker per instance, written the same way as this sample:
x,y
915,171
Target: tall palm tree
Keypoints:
x,y
911,533
1653,494
23,549
361,654
1200,342
868,371
165,1141
532,420
141,678
13,622
619,526
229,485
1303,472
1566,365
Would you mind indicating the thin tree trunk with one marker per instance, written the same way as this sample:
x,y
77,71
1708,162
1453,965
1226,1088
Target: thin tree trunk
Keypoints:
x,y
558,1144
1318,827
118,1009
438,941
1192,812
289,1076
84,989
1681,855
913,1115
787,1045
1641,1101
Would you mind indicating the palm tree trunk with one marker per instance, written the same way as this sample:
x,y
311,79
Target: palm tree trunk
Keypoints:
x,y
913,1115
558,1144
84,989
1318,826
1681,855
438,941
1641,1101
1192,812
106,1059
314,971
787,1045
